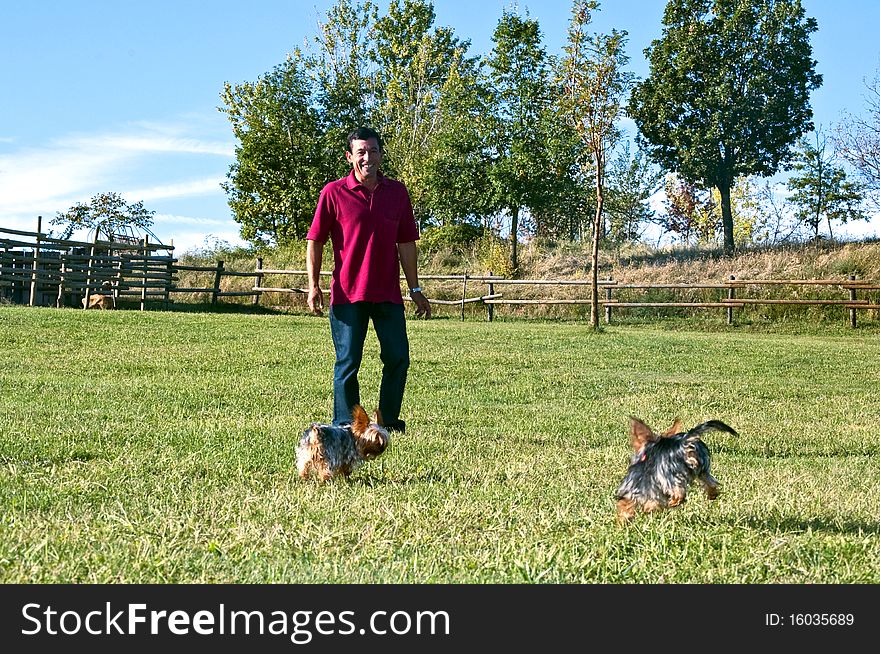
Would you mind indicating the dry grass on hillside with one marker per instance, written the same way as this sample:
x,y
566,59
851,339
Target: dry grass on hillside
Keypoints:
x,y
634,265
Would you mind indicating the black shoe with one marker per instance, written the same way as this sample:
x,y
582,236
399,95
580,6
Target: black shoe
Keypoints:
x,y
398,426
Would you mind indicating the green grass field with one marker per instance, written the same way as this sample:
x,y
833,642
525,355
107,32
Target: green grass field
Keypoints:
x,y
159,447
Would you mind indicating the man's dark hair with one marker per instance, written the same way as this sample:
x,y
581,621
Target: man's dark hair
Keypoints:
x,y
364,134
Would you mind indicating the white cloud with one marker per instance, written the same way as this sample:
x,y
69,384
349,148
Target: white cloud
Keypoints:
x,y
165,218
150,143
48,178
187,241
183,189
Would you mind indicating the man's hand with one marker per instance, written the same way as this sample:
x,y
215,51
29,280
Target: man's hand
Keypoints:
x,y
316,300
423,307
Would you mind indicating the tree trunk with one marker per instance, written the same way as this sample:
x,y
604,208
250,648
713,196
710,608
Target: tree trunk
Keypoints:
x,y
514,232
594,261
726,216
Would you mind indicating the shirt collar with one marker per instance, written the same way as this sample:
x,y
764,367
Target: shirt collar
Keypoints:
x,y
352,182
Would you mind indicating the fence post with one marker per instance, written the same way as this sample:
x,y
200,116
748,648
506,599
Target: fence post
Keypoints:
x,y
852,296
463,294
490,308
217,276
608,298
33,296
731,294
169,272
90,264
146,272
258,282
59,299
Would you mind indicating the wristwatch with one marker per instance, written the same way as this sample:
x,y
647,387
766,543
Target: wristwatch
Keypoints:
x,y
416,289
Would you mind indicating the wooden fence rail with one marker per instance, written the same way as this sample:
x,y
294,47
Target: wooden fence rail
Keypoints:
x,y
44,270
729,298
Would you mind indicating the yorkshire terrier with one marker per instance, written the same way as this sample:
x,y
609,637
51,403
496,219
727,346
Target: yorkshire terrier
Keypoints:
x,y
664,465
331,450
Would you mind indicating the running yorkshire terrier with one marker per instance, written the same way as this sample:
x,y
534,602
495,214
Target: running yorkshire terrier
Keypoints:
x,y
330,450
664,465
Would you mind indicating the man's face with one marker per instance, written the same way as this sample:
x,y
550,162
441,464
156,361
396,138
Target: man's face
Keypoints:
x,y
365,157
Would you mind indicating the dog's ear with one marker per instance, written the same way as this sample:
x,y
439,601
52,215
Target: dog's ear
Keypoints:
x,y
640,434
359,420
676,428
379,420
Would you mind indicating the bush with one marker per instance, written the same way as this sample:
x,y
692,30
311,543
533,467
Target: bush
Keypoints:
x,y
450,237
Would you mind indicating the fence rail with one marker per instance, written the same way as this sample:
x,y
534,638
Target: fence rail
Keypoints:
x,y
47,270
730,292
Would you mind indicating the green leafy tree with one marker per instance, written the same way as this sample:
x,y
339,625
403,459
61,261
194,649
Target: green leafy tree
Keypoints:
x,y
280,164
457,189
343,75
820,189
728,91
595,86
632,180
106,213
413,65
519,76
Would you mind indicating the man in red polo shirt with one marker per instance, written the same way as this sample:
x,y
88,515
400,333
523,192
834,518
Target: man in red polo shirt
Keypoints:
x,y
369,220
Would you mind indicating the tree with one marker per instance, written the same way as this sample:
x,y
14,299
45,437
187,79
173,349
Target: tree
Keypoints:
x,y
595,84
457,189
820,188
108,213
413,66
519,75
280,164
857,139
342,77
690,211
728,91
632,180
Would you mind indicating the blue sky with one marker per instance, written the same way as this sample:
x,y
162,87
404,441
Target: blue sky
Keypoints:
x,y
123,95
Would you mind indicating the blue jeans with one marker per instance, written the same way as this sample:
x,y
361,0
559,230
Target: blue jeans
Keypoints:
x,y
348,325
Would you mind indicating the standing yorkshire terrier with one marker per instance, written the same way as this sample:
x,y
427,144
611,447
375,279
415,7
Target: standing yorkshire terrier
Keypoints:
x,y
329,450
664,465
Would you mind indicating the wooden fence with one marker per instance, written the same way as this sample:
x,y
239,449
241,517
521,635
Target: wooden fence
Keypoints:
x,y
38,270
731,294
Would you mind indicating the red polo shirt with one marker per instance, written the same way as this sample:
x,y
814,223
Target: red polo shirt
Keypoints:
x,y
365,229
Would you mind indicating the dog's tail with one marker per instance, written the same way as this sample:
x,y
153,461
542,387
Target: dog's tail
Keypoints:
x,y
711,425
359,420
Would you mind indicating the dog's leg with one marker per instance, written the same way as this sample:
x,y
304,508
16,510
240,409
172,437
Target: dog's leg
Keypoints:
x,y
710,485
304,468
324,473
625,511
678,497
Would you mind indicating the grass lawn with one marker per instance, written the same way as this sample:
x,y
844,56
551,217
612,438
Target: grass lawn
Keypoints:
x,y
159,447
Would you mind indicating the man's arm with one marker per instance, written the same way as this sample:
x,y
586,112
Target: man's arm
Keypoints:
x,y
409,262
314,255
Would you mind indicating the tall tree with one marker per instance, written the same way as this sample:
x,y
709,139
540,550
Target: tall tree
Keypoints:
x,y
106,213
632,180
820,188
728,91
280,164
857,139
595,85
457,189
343,76
413,64
519,74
